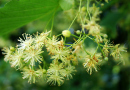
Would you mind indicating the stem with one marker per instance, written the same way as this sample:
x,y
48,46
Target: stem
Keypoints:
x,y
88,1
74,35
101,50
86,51
85,37
52,23
58,35
68,44
81,16
47,25
52,18
65,40
107,47
96,50
52,26
92,39
76,15
72,22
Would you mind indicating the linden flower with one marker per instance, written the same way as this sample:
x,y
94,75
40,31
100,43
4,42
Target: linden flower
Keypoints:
x,y
105,48
30,74
61,54
8,54
70,69
52,41
77,47
25,42
92,62
56,74
116,53
40,39
17,59
41,72
53,68
98,39
33,55
93,28
51,44
53,79
60,44
54,46
95,11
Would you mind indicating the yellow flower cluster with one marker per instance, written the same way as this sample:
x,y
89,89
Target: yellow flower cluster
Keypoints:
x,y
27,56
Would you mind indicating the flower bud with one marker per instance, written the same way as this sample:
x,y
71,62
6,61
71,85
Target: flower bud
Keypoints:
x,y
105,35
44,71
78,32
106,58
66,33
83,9
12,49
102,4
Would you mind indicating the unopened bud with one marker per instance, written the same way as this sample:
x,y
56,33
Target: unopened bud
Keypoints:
x,y
83,9
105,35
102,4
44,71
12,49
66,33
78,32
106,58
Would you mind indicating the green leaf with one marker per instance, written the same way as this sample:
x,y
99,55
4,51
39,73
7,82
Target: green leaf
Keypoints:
x,y
17,13
66,4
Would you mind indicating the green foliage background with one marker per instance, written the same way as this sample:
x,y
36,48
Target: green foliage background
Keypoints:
x,y
31,16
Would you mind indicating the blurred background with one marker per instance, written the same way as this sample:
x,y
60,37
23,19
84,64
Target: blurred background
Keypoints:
x,y
115,18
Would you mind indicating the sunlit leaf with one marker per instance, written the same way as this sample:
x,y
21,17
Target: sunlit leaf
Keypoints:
x,y
17,13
